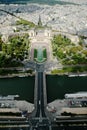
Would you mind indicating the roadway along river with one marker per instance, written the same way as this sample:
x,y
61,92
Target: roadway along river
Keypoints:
x,y
57,86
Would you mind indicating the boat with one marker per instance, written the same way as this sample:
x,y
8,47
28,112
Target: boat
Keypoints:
x,y
77,95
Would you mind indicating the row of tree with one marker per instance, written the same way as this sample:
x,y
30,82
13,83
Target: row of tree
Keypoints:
x,y
69,53
15,51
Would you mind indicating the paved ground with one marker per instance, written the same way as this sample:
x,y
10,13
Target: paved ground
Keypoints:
x,y
43,45
19,104
44,42
24,105
56,106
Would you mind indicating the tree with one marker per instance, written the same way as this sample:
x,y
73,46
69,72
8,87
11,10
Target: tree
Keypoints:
x,y
18,47
59,44
1,42
14,51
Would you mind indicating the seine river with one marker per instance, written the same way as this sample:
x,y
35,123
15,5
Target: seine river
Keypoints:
x,y
57,86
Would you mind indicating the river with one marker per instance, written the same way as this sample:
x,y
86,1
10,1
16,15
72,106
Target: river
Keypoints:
x,y
23,86
57,86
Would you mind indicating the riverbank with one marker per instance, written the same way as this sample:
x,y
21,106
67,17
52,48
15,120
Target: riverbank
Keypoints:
x,y
68,74
16,75
78,74
71,71
16,72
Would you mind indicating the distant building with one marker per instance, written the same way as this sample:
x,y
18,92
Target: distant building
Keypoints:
x,y
39,32
85,42
5,37
83,33
39,21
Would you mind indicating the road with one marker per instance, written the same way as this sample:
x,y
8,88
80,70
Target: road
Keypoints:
x,y
40,96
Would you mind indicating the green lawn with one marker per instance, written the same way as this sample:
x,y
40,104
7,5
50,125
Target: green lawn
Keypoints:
x,y
45,53
35,53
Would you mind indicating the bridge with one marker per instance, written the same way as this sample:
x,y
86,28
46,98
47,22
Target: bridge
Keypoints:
x,y
40,97
39,117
